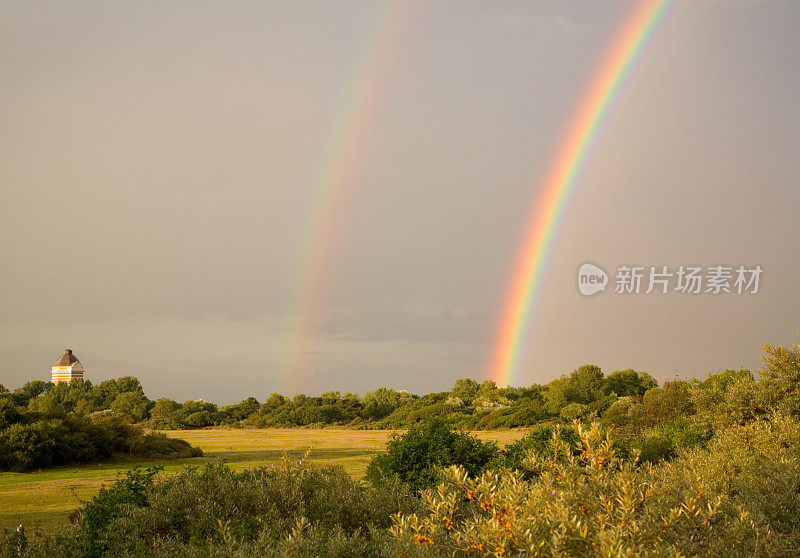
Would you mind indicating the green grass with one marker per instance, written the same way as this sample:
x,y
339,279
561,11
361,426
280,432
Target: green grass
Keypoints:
x,y
45,498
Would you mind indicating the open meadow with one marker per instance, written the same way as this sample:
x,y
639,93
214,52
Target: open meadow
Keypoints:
x,y
45,498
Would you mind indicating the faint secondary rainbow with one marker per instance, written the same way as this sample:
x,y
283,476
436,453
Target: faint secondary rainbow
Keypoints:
x,y
560,180
345,147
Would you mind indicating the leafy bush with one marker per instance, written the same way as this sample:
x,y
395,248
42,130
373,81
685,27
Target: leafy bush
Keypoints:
x,y
8,412
664,404
739,498
416,457
156,445
199,419
779,381
132,404
78,439
289,510
109,504
626,383
618,415
666,440
574,411
24,446
538,442
655,448
165,414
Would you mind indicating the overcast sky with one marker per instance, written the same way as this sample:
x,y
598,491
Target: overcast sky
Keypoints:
x,y
160,162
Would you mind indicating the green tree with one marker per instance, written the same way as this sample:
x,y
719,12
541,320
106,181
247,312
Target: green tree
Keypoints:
x,y
127,384
330,398
780,377
416,456
585,384
661,405
8,413
48,405
165,414
198,413
132,404
273,402
465,389
244,409
30,390
574,411
729,397
381,402
539,442
199,419
555,395
23,446
351,404
489,397
623,383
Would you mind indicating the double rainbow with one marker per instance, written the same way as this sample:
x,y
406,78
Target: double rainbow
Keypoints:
x,y
560,181
344,149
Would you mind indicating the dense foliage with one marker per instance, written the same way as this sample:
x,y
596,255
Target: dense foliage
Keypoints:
x,y
416,457
288,510
741,497
584,394
700,468
655,420
45,424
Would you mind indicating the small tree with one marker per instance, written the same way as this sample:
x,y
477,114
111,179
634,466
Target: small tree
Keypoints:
x,y
465,389
132,404
381,402
780,377
585,384
165,414
629,382
417,456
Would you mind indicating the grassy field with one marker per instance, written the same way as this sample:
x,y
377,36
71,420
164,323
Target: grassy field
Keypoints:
x,y
46,498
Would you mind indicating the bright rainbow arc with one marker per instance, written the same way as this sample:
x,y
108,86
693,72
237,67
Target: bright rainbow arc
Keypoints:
x,y
561,178
344,149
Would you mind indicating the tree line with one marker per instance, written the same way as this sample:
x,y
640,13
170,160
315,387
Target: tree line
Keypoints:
x,y
44,424
655,419
610,483
584,393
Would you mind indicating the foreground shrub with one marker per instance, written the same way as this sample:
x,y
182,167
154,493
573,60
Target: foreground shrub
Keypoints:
x,y
108,505
728,501
780,377
291,509
417,456
755,469
538,441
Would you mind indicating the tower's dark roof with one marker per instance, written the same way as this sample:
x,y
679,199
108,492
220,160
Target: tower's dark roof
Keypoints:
x,y
67,359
